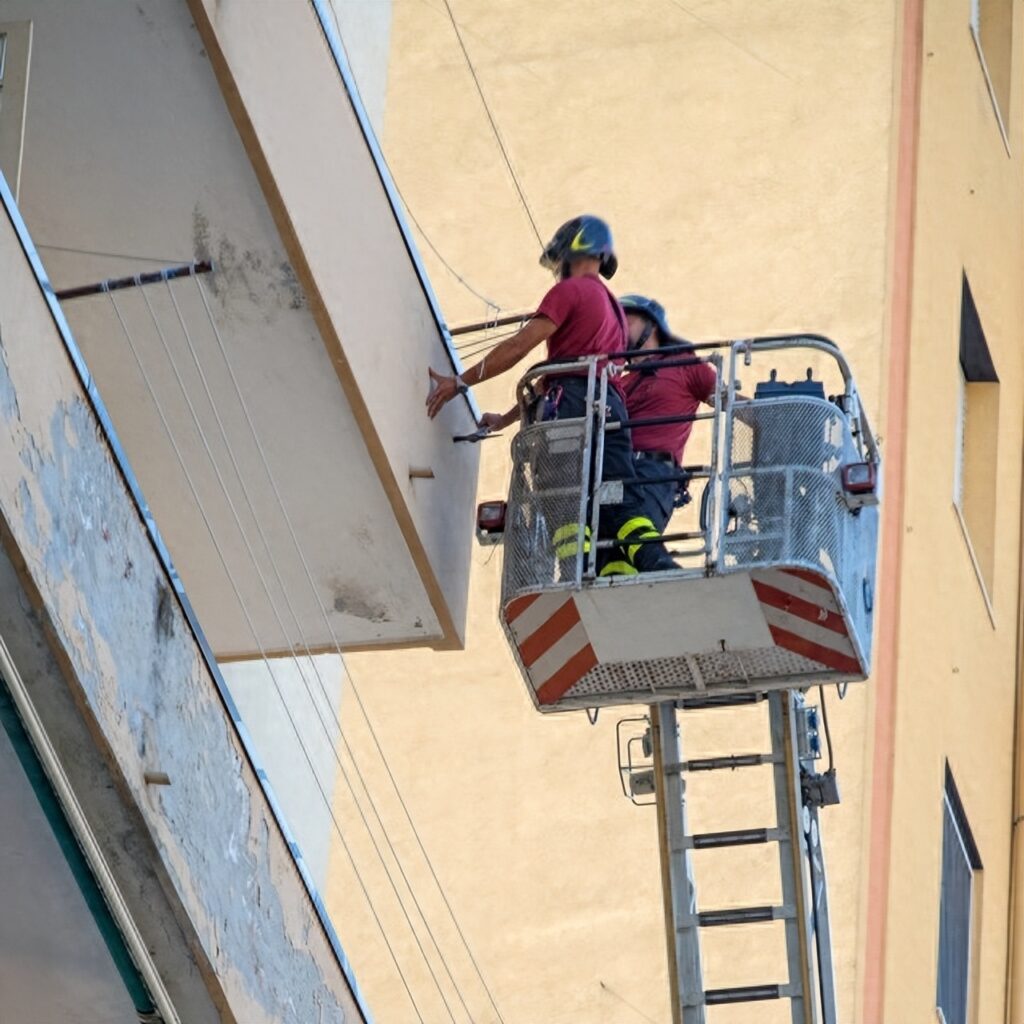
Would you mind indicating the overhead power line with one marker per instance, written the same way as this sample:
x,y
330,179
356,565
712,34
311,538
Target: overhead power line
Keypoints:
x,y
273,677
494,124
292,648
497,307
305,646
486,345
352,683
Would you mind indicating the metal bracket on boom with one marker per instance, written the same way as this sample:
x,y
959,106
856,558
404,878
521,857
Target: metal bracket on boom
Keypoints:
x,y
636,764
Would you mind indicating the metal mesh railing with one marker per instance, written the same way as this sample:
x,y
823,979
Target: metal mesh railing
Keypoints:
x,y
544,505
786,502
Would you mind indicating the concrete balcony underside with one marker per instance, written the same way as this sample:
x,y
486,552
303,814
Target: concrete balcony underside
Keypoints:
x,y
158,132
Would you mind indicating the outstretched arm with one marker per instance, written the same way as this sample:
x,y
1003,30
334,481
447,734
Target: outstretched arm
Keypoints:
x,y
503,357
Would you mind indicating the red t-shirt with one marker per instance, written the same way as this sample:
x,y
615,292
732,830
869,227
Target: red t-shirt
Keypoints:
x,y
669,391
588,319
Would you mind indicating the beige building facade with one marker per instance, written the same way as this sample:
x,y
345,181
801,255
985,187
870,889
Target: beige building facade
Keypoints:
x,y
851,169
202,481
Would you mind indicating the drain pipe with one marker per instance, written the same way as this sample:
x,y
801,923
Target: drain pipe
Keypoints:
x,y
1014,992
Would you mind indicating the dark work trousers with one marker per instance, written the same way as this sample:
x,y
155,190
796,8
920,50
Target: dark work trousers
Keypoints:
x,y
657,499
617,464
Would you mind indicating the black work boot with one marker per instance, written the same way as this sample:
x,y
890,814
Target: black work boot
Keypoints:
x,y
654,558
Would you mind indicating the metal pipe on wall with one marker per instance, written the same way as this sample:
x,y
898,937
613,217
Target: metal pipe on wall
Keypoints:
x,y
1014,988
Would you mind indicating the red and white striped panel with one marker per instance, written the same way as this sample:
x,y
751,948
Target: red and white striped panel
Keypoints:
x,y
552,643
803,617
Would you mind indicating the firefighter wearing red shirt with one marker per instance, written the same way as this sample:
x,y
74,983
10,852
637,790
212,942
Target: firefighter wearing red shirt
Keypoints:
x,y
579,316
654,391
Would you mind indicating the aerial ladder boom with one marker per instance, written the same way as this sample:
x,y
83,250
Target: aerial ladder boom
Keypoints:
x,y
774,594
802,909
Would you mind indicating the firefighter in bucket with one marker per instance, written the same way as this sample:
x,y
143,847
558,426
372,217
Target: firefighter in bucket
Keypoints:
x,y
578,317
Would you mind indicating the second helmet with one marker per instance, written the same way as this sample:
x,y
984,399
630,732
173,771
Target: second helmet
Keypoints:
x,y
652,310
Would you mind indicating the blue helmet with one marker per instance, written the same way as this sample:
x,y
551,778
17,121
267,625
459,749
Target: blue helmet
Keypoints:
x,y
651,310
583,236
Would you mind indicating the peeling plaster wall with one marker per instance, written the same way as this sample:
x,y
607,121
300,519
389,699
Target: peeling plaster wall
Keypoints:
x,y
139,676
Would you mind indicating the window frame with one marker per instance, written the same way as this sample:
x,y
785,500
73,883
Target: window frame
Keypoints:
x,y
974,25
953,812
975,366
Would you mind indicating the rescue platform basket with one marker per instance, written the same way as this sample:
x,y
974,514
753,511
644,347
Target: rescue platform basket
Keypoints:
x,y
776,577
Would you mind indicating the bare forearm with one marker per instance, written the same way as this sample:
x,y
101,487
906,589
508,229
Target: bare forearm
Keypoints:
x,y
444,387
504,356
499,420
509,417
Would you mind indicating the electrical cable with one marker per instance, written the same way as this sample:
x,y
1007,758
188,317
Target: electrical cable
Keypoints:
x,y
828,732
323,611
815,906
493,123
234,586
262,578
195,359
305,645
353,686
134,257
485,340
490,303
468,352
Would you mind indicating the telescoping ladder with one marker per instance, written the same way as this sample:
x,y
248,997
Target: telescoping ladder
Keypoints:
x,y
799,793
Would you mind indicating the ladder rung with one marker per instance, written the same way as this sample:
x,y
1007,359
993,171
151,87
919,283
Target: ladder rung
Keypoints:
x,y
743,915
723,700
731,761
736,837
743,994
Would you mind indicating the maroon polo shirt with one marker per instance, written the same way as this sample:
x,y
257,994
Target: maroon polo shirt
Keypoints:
x,y
588,319
668,391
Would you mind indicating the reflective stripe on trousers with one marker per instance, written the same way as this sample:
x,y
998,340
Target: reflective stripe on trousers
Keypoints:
x,y
639,528
565,540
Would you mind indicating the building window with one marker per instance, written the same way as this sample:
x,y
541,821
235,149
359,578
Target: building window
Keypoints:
x,y
960,865
976,438
992,28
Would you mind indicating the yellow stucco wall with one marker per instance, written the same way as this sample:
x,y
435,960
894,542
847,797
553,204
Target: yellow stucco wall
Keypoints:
x,y
743,154
956,683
